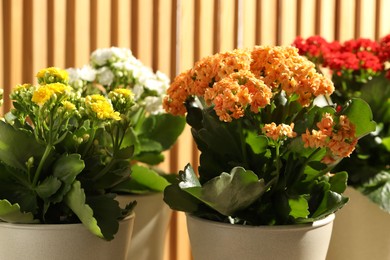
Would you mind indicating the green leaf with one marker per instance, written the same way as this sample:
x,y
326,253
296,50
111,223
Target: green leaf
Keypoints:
x,y
48,187
258,143
338,182
125,153
150,158
148,145
165,129
107,213
360,114
16,147
66,169
16,188
229,192
11,213
386,143
75,199
178,199
145,177
299,207
331,202
378,190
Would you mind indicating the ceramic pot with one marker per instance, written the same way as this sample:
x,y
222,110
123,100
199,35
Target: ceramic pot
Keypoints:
x,y
361,230
220,241
150,227
62,242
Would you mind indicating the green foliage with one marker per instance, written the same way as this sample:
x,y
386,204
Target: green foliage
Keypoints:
x,y
246,177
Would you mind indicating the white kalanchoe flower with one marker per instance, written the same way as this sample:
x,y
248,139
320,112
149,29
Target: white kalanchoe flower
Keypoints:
x,y
100,57
153,105
105,76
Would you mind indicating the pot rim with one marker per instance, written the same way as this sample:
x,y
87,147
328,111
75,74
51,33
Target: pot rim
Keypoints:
x,y
40,226
316,224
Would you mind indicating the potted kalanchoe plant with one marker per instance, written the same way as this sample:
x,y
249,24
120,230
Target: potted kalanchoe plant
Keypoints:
x,y
267,150
360,68
152,131
60,154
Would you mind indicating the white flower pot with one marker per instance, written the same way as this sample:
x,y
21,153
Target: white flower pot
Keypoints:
x,y
361,230
61,242
150,227
213,240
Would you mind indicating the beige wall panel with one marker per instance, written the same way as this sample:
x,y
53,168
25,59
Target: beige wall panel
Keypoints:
x,y
288,18
347,20
249,23
13,58
39,40
366,19
82,33
164,39
185,35
206,33
123,23
307,18
328,17
268,25
102,15
56,51
227,33
384,23
144,37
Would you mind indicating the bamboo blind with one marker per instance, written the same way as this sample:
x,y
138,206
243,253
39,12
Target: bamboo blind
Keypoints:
x,y
168,35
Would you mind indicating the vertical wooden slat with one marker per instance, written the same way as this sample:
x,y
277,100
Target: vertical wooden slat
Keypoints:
x,y
384,23
227,23
328,18
120,23
287,20
27,41
249,23
306,16
100,18
345,22
358,20
367,19
56,31
217,26
268,22
77,33
114,23
40,38
144,32
12,47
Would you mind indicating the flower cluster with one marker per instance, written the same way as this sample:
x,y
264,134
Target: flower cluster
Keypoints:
x,y
352,63
247,78
263,140
360,68
61,152
112,68
135,96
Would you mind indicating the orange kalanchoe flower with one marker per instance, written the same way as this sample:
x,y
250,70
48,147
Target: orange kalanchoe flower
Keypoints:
x,y
340,139
280,131
233,94
275,69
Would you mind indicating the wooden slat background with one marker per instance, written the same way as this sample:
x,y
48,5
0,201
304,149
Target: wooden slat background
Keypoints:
x,y
168,35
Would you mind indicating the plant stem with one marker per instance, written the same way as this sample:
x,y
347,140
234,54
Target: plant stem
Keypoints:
x,y
41,163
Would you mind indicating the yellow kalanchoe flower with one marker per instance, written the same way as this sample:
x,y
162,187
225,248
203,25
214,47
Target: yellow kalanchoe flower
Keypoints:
x,y
101,107
69,106
51,75
45,92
